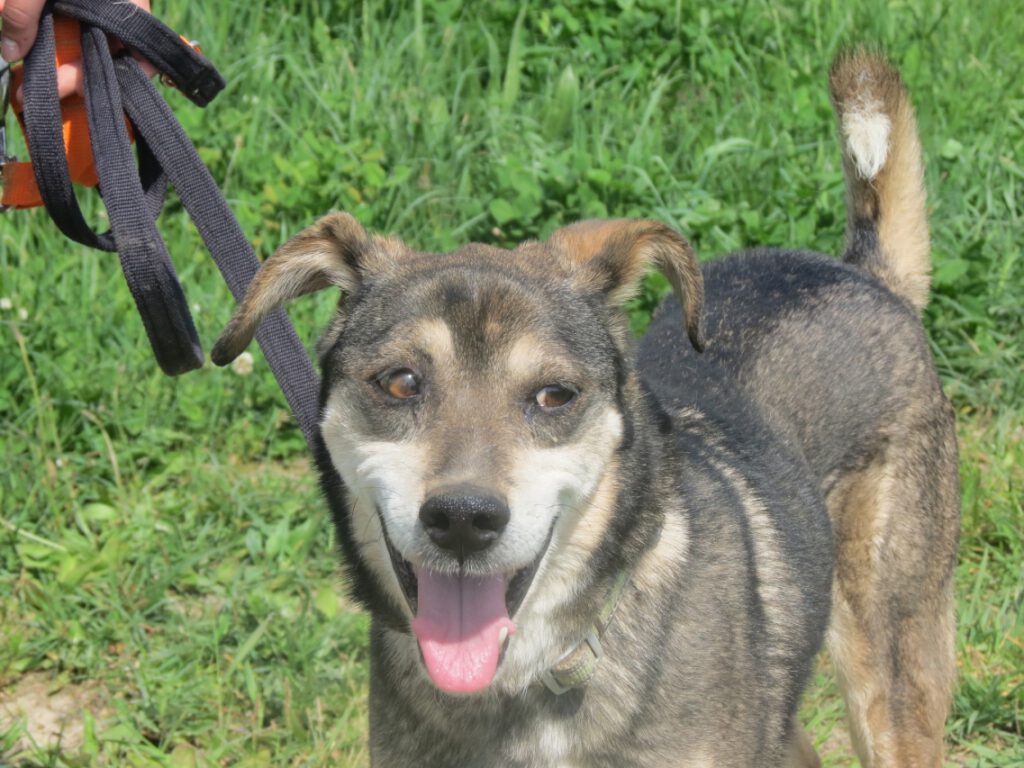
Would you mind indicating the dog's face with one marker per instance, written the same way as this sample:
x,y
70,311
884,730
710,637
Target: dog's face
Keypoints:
x,y
467,411
473,404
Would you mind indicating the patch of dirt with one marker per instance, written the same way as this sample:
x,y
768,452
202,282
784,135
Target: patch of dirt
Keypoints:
x,y
48,714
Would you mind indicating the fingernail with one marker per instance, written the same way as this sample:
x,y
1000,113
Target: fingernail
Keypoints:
x,y
9,50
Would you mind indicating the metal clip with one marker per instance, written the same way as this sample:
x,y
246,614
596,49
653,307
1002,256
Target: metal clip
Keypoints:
x,y
5,100
194,45
559,682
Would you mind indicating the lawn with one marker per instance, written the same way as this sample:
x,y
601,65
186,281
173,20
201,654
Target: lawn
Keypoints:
x,y
169,593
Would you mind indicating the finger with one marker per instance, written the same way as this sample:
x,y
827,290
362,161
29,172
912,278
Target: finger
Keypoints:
x,y
148,68
70,79
21,20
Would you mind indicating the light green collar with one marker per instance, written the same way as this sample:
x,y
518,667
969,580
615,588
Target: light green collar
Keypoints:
x,y
579,663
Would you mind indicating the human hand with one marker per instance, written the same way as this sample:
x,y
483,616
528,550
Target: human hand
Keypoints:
x,y
20,24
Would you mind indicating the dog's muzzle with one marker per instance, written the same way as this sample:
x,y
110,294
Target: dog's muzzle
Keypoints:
x,y
464,519
462,619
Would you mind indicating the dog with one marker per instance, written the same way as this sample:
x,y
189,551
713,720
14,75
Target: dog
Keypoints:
x,y
578,552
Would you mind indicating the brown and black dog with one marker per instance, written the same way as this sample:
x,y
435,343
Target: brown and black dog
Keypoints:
x,y
578,553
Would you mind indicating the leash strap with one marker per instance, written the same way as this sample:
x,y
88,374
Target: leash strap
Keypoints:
x,y
116,87
44,134
144,258
192,73
222,234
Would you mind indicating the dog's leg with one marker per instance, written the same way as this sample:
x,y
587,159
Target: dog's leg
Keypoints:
x,y
801,752
892,635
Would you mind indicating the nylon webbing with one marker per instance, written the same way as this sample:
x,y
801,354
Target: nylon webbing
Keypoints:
x,y
45,139
191,72
144,258
133,194
220,231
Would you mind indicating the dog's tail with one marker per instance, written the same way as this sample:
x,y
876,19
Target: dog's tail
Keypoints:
x,y
887,226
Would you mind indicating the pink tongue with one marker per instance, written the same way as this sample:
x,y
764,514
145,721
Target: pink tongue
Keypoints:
x,y
458,624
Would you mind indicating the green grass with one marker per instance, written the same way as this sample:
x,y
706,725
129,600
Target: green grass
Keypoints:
x,y
163,551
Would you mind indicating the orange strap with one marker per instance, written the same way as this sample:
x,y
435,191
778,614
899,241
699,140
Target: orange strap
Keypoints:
x,y
19,183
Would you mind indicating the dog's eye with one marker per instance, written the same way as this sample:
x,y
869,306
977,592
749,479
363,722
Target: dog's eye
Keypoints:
x,y
401,383
554,396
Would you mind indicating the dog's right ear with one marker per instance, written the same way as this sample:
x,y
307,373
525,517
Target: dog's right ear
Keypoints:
x,y
336,250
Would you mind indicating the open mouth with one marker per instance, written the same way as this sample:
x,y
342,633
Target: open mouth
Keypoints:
x,y
517,588
462,622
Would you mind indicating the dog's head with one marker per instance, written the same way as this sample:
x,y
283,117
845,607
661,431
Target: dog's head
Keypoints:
x,y
473,406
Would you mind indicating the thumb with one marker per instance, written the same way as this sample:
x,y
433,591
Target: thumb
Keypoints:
x,y
21,20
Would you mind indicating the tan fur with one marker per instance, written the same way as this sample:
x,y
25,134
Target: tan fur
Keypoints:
x,y
435,338
593,521
524,354
772,580
333,251
895,671
619,252
863,84
657,567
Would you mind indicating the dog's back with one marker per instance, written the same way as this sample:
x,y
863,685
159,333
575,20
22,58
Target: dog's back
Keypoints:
x,y
834,355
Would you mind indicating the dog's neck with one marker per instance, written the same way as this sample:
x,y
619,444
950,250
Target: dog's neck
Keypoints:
x,y
636,522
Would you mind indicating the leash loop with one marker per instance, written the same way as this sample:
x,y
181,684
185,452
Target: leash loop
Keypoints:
x,y
191,72
121,104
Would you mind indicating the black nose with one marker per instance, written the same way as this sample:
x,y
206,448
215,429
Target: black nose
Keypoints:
x,y
464,519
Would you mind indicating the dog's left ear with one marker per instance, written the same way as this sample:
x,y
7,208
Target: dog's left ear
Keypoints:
x,y
614,255
335,251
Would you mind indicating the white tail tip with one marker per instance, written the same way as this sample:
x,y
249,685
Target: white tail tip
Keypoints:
x,y
866,130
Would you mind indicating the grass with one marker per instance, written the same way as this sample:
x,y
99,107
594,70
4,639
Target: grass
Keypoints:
x,y
163,553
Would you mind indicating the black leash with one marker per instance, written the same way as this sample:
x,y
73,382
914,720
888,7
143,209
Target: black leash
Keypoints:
x,y
115,85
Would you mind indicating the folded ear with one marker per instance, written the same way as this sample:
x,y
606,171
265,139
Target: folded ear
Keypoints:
x,y
614,255
336,250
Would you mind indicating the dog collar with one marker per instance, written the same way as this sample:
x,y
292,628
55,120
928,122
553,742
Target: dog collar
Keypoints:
x,y
577,665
